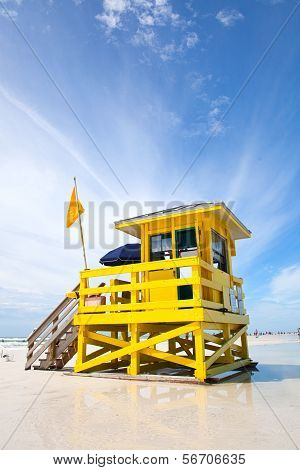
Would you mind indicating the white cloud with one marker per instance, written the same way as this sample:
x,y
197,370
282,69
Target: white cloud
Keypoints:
x,y
113,10
209,121
191,39
165,119
285,286
197,80
144,37
281,303
221,100
163,13
110,20
189,7
267,315
216,125
229,17
116,5
6,13
146,19
148,15
146,12
168,51
16,2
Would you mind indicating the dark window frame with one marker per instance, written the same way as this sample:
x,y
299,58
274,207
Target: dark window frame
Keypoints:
x,y
189,248
217,256
160,254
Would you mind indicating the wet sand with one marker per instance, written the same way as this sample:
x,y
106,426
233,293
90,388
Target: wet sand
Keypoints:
x,y
50,410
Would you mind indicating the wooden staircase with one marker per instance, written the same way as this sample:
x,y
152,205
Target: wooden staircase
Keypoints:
x,y
54,342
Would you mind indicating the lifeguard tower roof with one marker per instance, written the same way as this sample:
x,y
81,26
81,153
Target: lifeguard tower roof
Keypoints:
x,y
219,210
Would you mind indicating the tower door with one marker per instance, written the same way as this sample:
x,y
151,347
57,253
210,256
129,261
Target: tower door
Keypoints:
x,y
186,245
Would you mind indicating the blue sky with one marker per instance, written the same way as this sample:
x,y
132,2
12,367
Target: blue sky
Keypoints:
x,y
150,81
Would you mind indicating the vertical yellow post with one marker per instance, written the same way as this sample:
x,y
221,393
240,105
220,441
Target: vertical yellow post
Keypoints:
x,y
81,352
173,239
197,288
146,255
134,368
229,259
226,298
208,247
227,335
114,334
244,341
113,295
200,372
81,348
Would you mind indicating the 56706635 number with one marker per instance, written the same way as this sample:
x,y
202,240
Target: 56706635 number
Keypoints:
x,y
204,459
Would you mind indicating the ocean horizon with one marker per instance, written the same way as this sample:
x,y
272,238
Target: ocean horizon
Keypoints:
x,y
13,342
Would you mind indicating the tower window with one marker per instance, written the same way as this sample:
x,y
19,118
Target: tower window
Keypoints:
x,y
219,251
161,247
186,243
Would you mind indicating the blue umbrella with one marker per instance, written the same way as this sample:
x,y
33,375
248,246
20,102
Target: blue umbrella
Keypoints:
x,y
126,254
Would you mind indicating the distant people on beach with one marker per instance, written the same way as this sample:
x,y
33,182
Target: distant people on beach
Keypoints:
x,y
257,333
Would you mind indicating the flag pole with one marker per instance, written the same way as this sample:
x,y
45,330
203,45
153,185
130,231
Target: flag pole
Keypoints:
x,y
80,225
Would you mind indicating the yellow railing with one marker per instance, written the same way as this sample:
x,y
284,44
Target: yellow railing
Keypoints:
x,y
211,287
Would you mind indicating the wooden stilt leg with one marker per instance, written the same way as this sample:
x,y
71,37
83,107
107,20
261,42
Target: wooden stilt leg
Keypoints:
x,y
228,353
134,367
200,372
81,352
244,341
114,334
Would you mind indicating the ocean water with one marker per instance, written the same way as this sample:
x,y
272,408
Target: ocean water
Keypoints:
x,y
13,342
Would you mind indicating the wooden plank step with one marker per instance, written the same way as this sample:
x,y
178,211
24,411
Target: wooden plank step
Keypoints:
x,y
58,333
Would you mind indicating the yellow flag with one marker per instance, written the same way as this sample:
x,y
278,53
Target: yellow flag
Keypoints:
x,y
74,205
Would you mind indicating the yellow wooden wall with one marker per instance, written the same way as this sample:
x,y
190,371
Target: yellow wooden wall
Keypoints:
x,y
204,224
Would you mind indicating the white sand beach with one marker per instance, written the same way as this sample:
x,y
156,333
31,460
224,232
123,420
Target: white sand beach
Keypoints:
x,y
51,410
272,339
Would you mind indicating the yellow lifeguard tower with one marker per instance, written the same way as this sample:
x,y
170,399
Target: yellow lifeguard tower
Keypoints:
x,y
180,305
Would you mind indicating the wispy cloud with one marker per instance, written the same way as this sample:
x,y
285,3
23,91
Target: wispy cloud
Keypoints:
x,y
191,39
145,37
12,2
209,122
285,285
280,304
146,12
55,134
216,125
168,51
7,13
197,80
165,119
7,10
148,16
229,17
